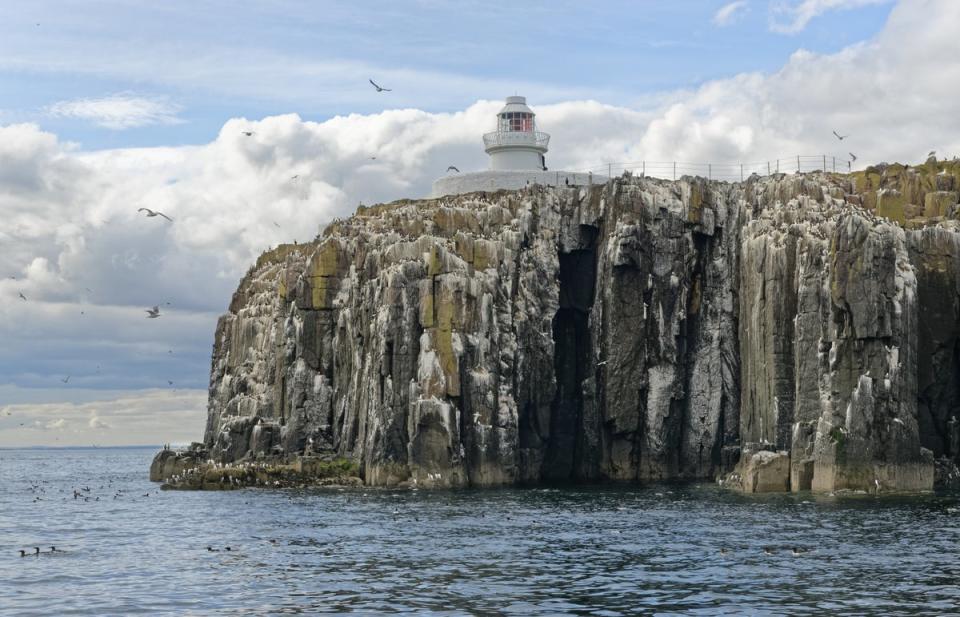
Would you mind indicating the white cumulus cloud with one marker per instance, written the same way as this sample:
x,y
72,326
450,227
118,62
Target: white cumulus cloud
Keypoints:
x,y
119,111
792,16
728,13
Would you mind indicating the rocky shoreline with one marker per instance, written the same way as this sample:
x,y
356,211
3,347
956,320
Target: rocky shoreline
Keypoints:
x,y
795,332
191,469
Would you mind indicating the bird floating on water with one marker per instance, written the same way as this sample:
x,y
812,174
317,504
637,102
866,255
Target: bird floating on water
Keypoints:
x,y
379,88
151,213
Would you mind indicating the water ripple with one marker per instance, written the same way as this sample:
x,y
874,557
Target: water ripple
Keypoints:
x,y
597,551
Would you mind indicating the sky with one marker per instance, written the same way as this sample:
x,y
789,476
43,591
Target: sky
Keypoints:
x,y
109,106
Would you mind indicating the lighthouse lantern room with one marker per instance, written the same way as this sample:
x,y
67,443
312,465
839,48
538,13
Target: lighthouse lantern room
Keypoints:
x,y
516,144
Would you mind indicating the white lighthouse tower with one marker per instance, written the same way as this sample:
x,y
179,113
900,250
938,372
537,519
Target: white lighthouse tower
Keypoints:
x,y
517,153
516,144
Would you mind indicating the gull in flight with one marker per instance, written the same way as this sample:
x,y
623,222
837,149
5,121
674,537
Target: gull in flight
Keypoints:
x,y
295,176
248,133
67,380
151,213
379,88
452,168
839,136
22,297
933,153
853,156
153,313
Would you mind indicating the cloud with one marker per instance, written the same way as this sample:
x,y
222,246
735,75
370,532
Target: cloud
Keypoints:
x,y
728,13
790,17
90,264
54,425
96,422
144,417
119,111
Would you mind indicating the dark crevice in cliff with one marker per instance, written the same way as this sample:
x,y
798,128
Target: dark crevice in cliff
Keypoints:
x,y
572,357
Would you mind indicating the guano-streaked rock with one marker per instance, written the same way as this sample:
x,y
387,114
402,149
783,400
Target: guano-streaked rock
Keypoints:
x,y
640,330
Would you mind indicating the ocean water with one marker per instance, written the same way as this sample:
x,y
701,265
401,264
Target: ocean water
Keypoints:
x,y
582,550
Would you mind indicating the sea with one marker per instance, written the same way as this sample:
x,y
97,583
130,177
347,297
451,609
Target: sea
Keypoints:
x,y
124,547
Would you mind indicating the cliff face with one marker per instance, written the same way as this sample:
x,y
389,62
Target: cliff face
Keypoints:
x,y
639,330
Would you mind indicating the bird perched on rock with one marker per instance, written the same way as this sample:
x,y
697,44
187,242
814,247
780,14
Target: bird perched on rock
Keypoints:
x,y
379,88
153,313
151,213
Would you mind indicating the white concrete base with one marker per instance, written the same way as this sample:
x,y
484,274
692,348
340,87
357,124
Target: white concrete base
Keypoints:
x,y
455,184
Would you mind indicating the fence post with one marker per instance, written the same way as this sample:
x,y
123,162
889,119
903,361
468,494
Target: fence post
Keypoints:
x,y
834,164
741,172
778,165
798,163
824,162
768,168
644,169
709,171
609,170
674,170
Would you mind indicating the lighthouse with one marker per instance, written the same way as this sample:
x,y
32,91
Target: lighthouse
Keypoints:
x,y
518,157
516,144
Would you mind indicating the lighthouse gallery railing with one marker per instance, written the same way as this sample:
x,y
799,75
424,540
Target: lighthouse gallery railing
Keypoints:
x,y
516,138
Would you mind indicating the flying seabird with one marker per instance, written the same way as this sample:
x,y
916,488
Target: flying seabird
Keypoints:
x,y
151,213
379,88
452,168
248,133
169,382
853,156
295,176
839,136
66,380
153,313
22,297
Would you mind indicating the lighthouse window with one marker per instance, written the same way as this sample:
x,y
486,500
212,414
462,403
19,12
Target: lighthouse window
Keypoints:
x,y
516,121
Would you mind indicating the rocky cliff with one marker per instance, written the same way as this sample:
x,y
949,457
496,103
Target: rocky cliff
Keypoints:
x,y
639,330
